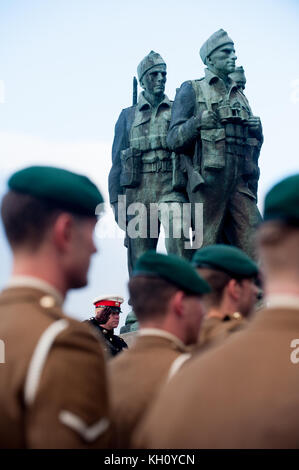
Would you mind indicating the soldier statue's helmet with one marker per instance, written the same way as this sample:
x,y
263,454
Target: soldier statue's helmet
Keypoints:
x,y
218,39
148,62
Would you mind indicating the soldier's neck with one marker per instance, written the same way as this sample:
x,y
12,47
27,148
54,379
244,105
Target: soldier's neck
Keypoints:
x,y
216,313
154,100
282,286
44,268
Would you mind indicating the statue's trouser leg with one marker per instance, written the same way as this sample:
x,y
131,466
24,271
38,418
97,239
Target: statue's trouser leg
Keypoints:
x,y
141,244
241,222
138,246
176,223
214,196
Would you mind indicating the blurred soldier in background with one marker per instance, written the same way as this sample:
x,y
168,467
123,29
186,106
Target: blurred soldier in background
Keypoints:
x,y
53,389
166,295
107,311
232,276
244,394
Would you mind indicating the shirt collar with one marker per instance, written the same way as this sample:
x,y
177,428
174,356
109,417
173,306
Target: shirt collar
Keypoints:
x,y
36,283
162,334
143,103
212,77
282,300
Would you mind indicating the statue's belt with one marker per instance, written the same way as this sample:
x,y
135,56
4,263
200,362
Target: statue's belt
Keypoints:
x,y
157,166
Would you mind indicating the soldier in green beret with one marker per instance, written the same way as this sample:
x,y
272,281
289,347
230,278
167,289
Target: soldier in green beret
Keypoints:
x,y
244,393
232,276
144,169
166,294
213,126
53,389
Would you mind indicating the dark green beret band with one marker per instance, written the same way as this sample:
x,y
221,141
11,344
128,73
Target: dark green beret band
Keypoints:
x,y
225,258
172,268
60,188
282,201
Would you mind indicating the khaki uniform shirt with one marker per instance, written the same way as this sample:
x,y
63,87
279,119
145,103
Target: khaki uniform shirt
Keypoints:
x,y
53,380
243,394
215,330
137,374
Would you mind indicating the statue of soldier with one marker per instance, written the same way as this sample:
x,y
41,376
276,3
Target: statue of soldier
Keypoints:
x,y
213,127
253,171
143,167
238,76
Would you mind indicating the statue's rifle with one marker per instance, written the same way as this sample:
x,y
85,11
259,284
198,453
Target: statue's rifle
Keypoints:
x,y
135,85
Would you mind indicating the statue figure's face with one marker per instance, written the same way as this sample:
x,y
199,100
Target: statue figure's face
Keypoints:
x,y
241,84
239,78
153,82
222,60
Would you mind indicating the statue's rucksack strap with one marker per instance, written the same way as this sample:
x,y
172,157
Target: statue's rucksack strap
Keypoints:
x,y
202,92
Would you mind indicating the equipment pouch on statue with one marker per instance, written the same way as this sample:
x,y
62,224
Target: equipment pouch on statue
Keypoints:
x,y
130,168
179,180
213,148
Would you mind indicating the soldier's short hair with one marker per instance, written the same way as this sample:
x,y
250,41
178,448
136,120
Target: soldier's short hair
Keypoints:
x,y
26,219
150,296
217,280
278,246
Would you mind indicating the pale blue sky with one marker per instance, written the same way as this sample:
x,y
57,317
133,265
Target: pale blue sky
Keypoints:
x,y
67,67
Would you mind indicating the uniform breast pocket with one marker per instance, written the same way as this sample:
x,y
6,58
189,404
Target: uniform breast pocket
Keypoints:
x,y
213,148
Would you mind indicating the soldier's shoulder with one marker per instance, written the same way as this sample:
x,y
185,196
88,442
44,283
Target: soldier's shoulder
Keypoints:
x,y
127,114
128,110
30,305
120,341
191,82
187,83
234,322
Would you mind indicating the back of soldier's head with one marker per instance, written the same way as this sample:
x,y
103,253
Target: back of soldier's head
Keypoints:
x,y
37,196
278,236
156,279
218,264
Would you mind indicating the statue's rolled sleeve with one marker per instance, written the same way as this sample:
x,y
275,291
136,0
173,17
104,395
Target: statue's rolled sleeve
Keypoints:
x,y
184,125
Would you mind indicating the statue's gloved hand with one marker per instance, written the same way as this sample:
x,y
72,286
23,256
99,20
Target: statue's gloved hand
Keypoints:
x,y
255,126
208,120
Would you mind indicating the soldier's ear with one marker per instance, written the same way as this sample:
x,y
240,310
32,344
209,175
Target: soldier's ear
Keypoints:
x,y
208,61
177,303
235,289
63,231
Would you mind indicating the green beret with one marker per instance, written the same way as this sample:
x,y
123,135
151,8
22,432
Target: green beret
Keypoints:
x,y
60,188
216,40
148,62
225,258
282,201
173,269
